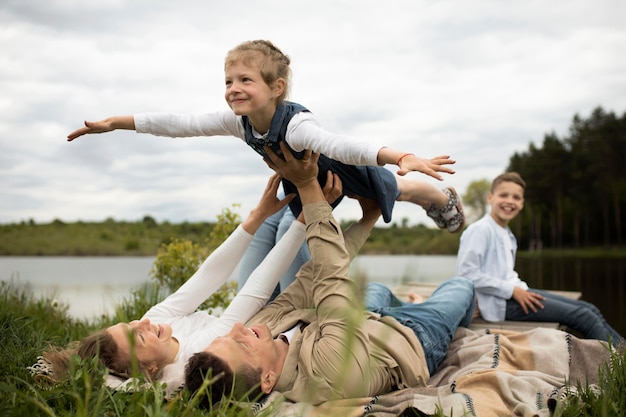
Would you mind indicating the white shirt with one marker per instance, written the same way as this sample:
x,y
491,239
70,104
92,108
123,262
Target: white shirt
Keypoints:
x,y
194,330
485,257
303,132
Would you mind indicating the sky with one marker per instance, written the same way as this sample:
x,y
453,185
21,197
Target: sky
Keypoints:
x,y
475,79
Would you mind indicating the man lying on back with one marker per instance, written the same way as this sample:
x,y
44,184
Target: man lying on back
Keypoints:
x,y
315,343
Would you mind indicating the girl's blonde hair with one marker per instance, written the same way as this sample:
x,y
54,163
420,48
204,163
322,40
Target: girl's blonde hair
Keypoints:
x,y
270,60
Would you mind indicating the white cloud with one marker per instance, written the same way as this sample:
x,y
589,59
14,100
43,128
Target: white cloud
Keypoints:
x,y
478,79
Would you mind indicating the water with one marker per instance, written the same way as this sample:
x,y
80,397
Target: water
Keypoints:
x,y
92,286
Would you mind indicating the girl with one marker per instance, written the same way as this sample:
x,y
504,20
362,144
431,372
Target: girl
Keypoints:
x,y
257,82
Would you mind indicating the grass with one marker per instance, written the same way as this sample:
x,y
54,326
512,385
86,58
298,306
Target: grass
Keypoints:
x,y
28,325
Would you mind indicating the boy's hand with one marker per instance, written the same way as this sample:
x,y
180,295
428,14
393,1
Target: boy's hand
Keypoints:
x,y
528,300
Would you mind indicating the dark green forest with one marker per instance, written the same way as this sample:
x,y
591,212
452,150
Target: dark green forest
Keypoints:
x,y
576,186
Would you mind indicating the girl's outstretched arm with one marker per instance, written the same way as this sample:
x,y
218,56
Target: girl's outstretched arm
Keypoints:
x,y
107,125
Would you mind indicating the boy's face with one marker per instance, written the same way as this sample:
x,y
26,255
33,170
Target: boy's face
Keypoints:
x,y
506,200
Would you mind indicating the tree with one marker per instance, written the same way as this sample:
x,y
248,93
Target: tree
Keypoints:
x,y
475,199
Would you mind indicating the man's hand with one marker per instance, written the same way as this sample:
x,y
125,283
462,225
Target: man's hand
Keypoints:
x,y
333,189
527,299
371,211
301,172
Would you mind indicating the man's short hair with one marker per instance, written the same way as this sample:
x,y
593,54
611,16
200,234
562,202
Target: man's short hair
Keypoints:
x,y
243,385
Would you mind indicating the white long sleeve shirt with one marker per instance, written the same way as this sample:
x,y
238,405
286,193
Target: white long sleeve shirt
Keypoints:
x,y
486,256
193,329
303,132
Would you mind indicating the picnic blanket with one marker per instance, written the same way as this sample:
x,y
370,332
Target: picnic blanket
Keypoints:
x,y
485,373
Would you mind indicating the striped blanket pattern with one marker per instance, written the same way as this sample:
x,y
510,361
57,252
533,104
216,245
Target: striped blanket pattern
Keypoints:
x,y
485,373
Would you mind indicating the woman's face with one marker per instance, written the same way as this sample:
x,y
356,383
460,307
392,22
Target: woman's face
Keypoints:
x,y
153,344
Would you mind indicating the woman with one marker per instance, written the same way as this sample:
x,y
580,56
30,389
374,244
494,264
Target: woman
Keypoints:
x,y
171,331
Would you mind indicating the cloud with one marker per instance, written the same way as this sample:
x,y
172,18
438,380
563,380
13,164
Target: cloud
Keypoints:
x,y
477,79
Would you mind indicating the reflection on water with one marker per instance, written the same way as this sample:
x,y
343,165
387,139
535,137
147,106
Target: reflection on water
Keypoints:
x,y
602,282
94,285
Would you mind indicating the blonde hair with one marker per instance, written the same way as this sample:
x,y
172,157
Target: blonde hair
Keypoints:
x,y
99,344
270,60
512,176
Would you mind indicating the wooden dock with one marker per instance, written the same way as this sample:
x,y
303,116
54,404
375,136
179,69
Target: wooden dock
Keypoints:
x,y
426,289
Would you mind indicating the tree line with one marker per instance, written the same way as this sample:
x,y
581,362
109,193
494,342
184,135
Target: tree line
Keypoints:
x,y
575,185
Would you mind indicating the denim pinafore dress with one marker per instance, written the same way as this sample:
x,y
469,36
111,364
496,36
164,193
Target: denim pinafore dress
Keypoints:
x,y
372,182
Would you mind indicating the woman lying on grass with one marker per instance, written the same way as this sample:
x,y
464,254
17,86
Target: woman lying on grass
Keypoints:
x,y
159,344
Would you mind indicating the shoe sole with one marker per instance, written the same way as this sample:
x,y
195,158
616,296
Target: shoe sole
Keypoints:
x,y
459,208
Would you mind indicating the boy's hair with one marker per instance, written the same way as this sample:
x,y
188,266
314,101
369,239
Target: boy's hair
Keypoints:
x,y
243,385
272,63
512,176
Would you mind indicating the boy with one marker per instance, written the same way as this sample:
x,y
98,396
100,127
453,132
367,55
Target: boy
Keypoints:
x,y
487,257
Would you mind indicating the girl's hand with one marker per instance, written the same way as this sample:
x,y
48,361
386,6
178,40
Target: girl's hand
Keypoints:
x,y
107,125
426,166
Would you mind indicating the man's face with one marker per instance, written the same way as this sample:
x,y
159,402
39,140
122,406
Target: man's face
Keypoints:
x,y
252,346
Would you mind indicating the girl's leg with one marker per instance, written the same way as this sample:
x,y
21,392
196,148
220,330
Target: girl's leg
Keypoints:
x,y
578,315
443,206
262,243
420,192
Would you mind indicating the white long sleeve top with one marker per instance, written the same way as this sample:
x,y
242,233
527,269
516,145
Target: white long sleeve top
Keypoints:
x,y
485,257
193,329
303,132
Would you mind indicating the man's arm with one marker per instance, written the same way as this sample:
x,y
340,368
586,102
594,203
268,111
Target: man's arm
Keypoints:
x,y
341,353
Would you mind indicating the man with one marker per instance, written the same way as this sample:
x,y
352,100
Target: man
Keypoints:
x,y
315,343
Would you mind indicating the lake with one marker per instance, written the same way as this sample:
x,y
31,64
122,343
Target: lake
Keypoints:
x,y
91,286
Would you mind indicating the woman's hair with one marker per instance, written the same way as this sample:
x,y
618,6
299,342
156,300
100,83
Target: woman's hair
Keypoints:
x,y
99,344
512,176
270,60
242,385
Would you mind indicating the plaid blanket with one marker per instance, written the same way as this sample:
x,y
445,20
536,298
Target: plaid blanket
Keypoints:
x,y
486,373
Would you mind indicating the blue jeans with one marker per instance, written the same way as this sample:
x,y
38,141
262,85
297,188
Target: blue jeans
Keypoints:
x,y
578,315
264,240
434,321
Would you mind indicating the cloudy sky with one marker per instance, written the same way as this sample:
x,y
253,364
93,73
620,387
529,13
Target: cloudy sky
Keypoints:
x,y
476,79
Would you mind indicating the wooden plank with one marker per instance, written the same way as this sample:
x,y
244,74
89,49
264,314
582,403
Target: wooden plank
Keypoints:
x,y
425,289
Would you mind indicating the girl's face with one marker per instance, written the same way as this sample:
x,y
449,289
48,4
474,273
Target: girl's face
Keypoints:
x,y
154,346
506,201
247,94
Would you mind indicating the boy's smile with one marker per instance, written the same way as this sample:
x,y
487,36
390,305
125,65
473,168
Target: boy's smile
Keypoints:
x,y
506,201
